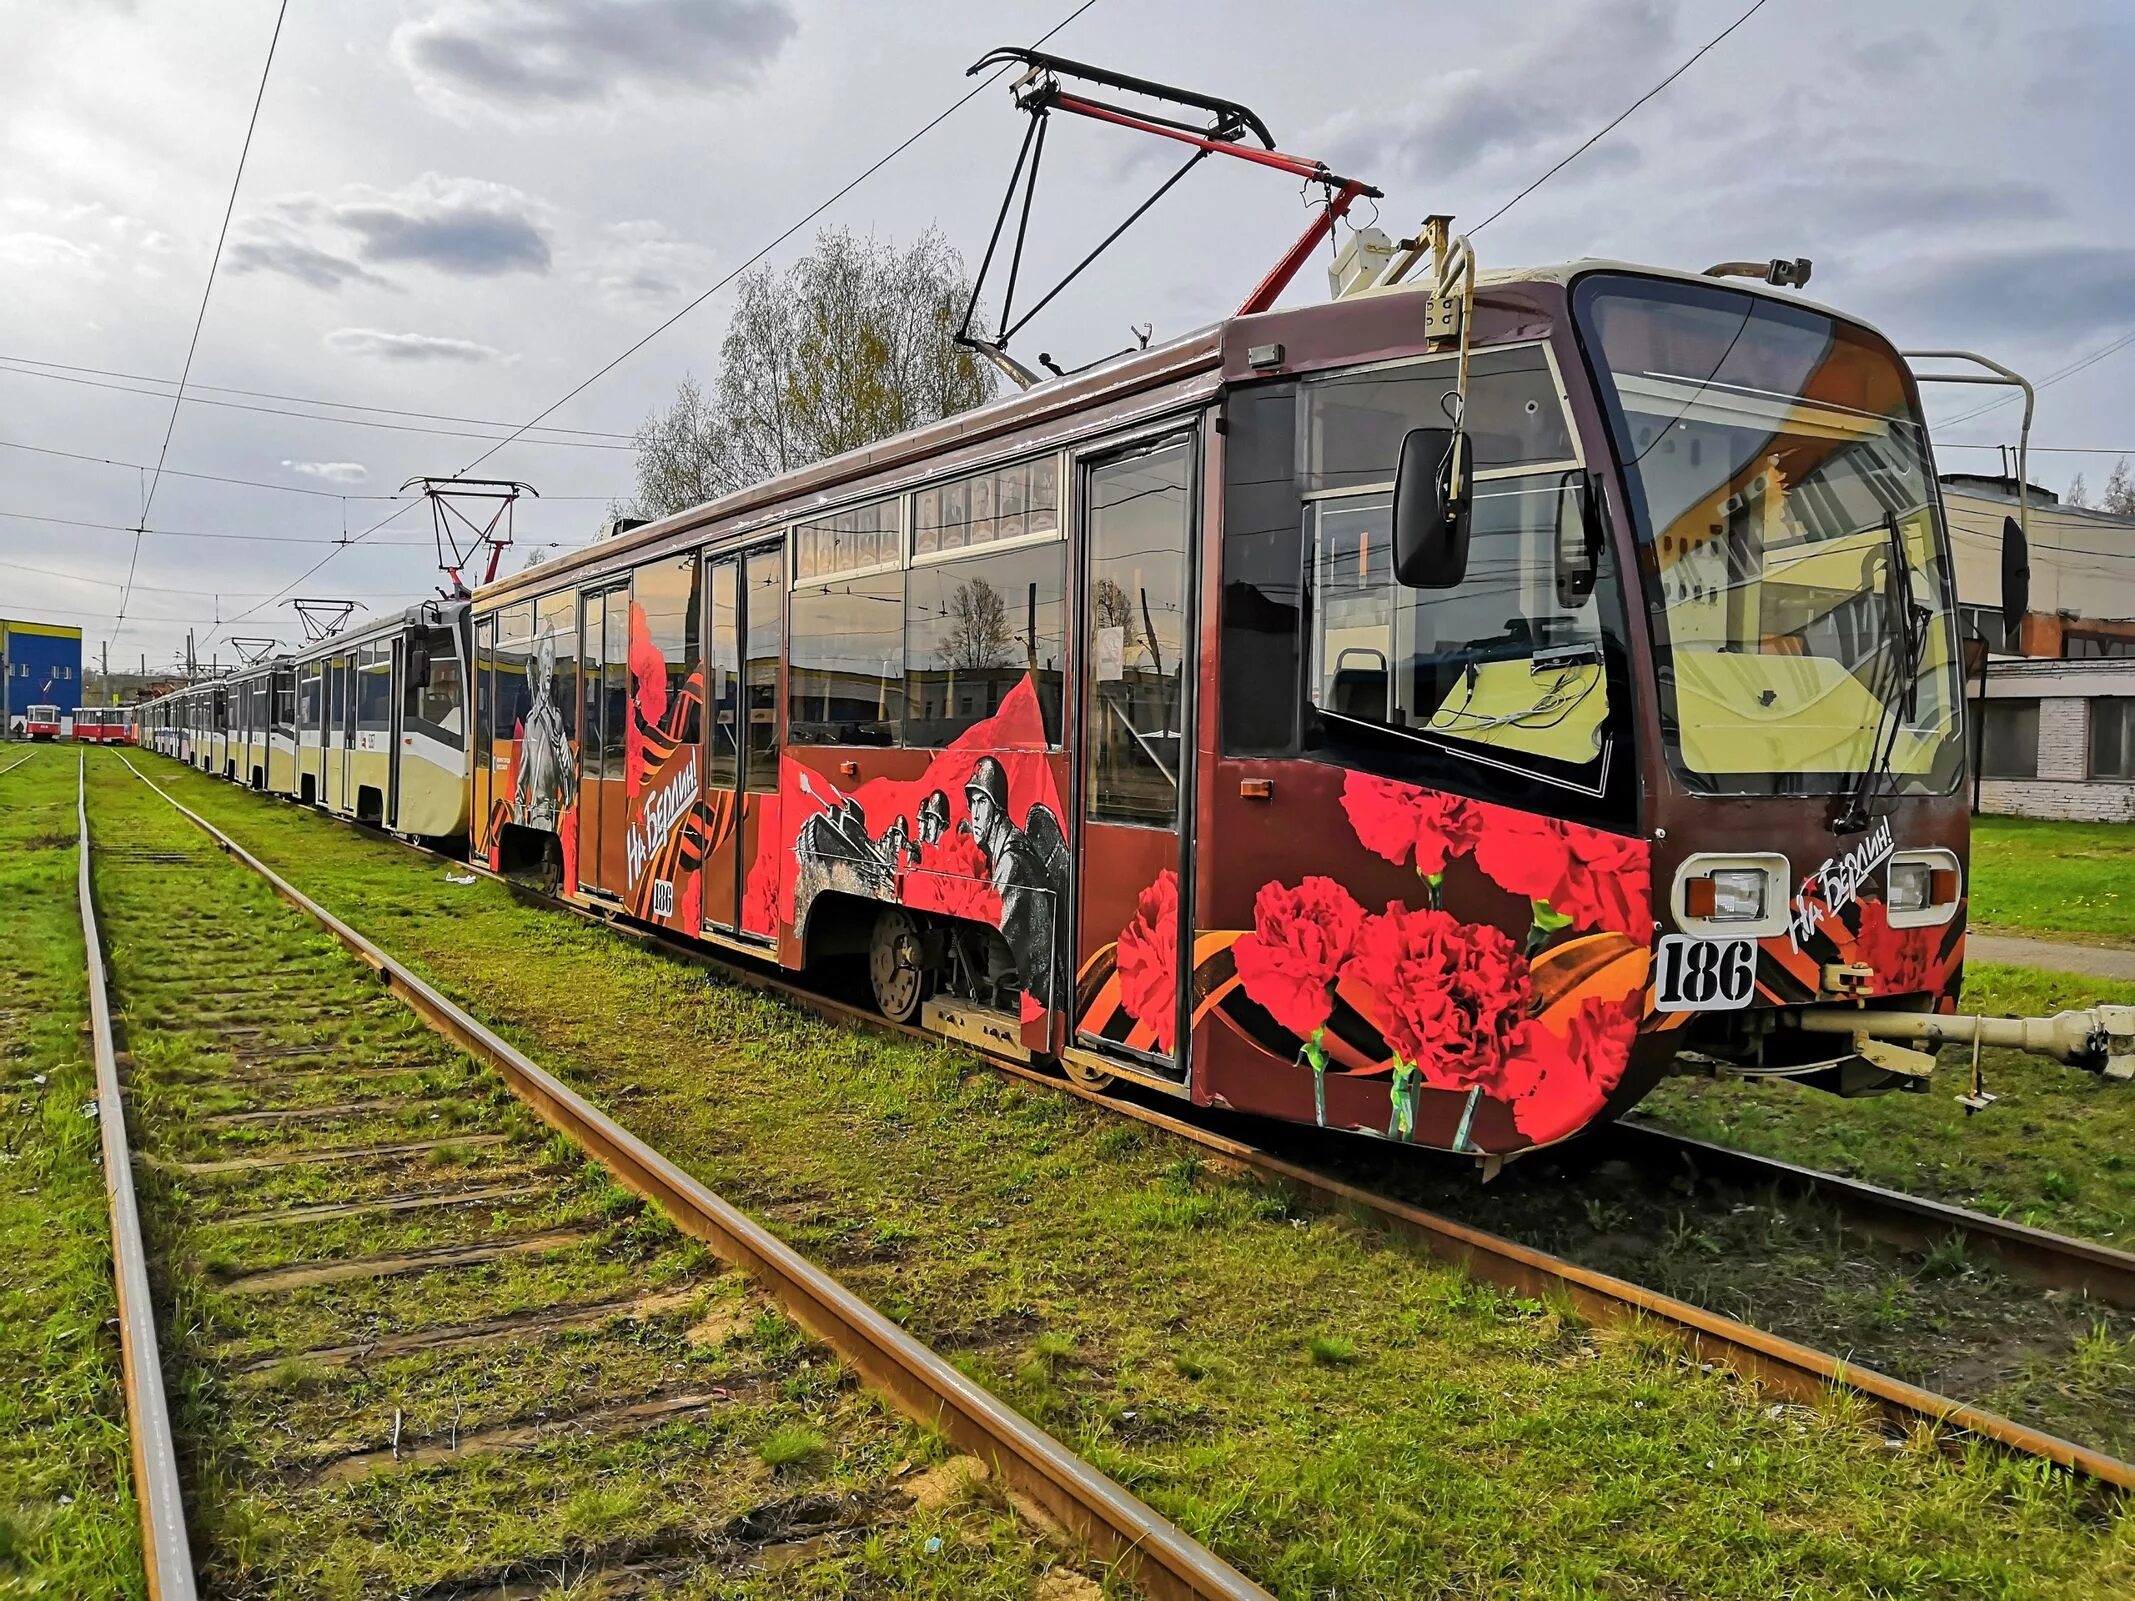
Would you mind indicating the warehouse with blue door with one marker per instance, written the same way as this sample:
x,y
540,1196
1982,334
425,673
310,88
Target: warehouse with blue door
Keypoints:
x,y
43,668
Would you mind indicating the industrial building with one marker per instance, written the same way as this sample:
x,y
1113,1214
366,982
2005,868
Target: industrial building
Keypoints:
x,y
43,668
2056,734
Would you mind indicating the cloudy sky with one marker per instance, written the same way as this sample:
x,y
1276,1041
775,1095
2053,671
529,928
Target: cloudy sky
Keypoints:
x,y
463,208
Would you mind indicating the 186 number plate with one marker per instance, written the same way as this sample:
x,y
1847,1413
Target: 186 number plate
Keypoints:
x,y
1704,975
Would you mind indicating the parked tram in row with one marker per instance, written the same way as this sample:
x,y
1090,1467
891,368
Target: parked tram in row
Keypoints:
x,y
370,724
101,725
42,722
1437,713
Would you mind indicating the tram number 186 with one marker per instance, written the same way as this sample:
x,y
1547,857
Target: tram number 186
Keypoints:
x,y
663,897
1704,975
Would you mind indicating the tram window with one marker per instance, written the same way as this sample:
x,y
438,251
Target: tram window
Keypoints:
x,y
437,697
1355,423
846,666
485,722
853,540
285,702
337,690
374,689
664,595
764,575
615,691
1263,571
1018,501
515,645
722,677
308,700
975,629
1496,660
1141,510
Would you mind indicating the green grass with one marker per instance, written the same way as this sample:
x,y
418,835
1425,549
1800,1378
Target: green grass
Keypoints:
x,y
2056,1151
2074,880
1160,1315
264,1407
67,1520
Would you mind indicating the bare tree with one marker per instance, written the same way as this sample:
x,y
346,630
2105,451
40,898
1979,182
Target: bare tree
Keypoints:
x,y
2119,495
852,343
979,632
683,455
2078,492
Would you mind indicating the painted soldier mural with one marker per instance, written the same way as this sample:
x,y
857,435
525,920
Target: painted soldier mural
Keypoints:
x,y
547,774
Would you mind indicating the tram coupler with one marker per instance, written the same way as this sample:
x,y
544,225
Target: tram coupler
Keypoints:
x,y
2098,1040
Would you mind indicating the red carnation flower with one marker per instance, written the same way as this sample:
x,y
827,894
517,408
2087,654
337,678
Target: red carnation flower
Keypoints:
x,y
1449,993
1394,820
1147,960
1555,1083
1300,939
1597,879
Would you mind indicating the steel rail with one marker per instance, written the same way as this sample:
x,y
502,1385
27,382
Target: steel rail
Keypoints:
x,y
17,762
2037,1256
1116,1525
1788,1368
166,1554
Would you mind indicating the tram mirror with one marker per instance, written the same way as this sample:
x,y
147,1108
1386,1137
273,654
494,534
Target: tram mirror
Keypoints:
x,y
1578,544
418,659
1433,495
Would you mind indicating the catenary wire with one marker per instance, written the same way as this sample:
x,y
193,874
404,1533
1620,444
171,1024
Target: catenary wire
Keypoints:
x,y
247,483
2048,381
310,416
200,318
20,363
1620,119
690,306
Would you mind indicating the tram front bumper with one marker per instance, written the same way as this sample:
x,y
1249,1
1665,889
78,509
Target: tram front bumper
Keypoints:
x,y
2100,1039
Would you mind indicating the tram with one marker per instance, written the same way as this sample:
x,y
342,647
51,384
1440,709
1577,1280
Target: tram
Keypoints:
x,y
1437,712
370,724
99,725
42,722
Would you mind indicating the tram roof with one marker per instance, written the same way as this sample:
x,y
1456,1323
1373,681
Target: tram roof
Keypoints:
x,y
1106,394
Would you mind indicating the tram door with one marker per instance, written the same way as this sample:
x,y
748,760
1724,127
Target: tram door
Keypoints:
x,y
604,704
745,635
1136,638
395,689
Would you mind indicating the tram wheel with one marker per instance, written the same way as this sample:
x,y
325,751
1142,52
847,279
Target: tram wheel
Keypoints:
x,y
1094,1079
896,965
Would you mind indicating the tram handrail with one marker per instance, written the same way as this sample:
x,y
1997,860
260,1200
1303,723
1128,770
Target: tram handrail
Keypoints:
x,y
166,1554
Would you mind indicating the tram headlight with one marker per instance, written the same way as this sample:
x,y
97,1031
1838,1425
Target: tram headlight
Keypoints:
x,y
1727,895
1910,887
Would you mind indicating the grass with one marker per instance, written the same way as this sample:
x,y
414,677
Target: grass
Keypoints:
x,y
2057,1151
2074,880
67,1519
268,1416
1160,1315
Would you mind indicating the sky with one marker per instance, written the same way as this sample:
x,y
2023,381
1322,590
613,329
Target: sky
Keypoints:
x,y
465,208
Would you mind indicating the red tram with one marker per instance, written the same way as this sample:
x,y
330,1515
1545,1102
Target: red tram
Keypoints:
x,y
42,722
1433,713
100,725
1426,713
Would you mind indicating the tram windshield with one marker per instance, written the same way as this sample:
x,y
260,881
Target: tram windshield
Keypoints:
x,y
1797,577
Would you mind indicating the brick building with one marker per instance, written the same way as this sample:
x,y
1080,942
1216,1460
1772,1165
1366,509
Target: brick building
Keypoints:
x,y
2056,737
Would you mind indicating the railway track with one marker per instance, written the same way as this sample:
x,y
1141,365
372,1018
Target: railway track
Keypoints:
x,y
1790,1368
423,1336
17,762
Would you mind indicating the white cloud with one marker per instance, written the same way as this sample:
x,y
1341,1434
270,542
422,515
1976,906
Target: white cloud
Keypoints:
x,y
331,472
463,227
521,59
641,266
407,347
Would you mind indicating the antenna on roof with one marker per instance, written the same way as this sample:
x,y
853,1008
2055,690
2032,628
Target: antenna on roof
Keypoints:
x,y
459,537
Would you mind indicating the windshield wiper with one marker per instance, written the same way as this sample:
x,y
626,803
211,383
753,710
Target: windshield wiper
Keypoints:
x,y
1905,623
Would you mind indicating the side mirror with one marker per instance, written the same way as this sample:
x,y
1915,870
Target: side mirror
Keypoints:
x,y
1577,557
418,659
1432,499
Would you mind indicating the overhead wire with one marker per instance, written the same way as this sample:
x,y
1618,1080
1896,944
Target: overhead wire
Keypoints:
x,y
222,478
309,416
2047,382
58,367
200,318
787,233
1621,117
